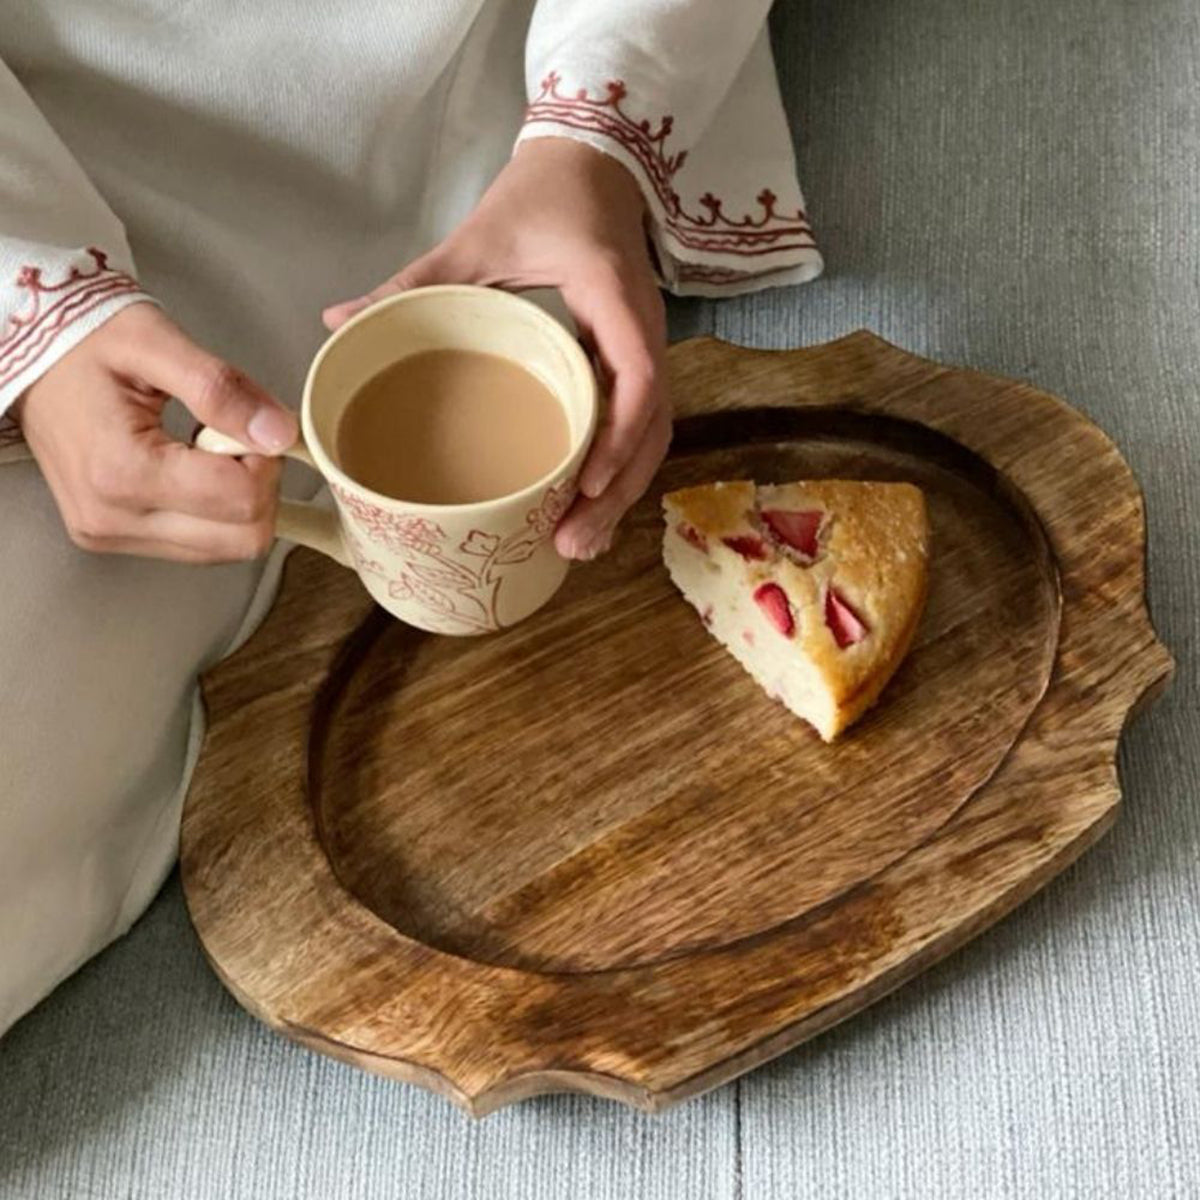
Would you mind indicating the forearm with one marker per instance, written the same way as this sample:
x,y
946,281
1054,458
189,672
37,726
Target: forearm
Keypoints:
x,y
683,94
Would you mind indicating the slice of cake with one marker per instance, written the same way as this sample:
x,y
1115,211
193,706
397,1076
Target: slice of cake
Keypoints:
x,y
815,588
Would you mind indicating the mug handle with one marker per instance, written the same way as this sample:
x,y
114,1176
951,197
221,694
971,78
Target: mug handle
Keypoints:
x,y
307,524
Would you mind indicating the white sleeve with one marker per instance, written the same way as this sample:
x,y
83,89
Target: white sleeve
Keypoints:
x,y
684,94
65,265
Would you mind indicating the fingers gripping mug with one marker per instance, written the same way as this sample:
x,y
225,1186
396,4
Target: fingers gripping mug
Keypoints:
x,y
447,568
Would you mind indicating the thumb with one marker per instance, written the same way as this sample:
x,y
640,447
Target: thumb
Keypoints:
x,y
214,391
430,268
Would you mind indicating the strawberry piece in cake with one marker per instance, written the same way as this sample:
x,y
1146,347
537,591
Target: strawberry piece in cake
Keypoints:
x,y
815,588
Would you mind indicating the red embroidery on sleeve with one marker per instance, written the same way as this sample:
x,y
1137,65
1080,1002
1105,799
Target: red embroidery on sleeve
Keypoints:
x,y
709,228
53,307
699,273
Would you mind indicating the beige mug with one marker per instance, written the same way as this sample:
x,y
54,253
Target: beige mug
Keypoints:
x,y
447,568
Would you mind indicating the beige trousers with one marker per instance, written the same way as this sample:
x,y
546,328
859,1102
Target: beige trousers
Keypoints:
x,y
100,723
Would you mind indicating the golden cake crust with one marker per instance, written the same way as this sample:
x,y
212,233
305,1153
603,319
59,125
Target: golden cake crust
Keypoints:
x,y
872,552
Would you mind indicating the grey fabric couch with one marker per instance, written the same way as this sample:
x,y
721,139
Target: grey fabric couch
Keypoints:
x,y
1014,185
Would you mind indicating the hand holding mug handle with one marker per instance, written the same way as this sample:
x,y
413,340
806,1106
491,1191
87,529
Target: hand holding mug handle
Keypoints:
x,y
306,524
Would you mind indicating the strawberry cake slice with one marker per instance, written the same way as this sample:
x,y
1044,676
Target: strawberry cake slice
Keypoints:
x,y
815,588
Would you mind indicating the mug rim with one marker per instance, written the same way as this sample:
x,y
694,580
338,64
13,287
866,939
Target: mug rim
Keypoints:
x,y
557,331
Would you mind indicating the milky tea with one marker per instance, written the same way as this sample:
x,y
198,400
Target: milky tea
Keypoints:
x,y
451,427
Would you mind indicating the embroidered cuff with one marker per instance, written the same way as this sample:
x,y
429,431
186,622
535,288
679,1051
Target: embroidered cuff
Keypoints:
x,y
702,248
46,311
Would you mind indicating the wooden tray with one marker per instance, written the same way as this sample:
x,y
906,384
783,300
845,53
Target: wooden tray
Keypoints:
x,y
588,853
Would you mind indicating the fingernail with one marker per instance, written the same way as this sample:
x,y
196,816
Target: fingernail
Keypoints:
x,y
338,314
274,429
596,547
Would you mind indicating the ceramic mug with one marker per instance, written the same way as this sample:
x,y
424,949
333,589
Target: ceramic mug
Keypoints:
x,y
447,568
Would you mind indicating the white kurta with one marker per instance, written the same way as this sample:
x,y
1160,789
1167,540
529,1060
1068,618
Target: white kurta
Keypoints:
x,y
245,165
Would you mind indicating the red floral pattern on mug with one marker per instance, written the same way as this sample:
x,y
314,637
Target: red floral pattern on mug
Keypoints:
x,y
456,587
544,519
397,531
362,561
483,544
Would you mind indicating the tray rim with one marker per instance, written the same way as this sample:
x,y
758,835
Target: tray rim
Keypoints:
x,y
481,1078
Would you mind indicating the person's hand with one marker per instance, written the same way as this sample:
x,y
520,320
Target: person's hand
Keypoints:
x,y
561,214
93,422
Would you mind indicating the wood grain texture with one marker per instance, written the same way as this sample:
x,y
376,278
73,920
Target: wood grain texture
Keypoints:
x,y
588,853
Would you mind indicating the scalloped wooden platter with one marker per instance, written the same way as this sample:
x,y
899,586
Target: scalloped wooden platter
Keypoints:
x,y
587,853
